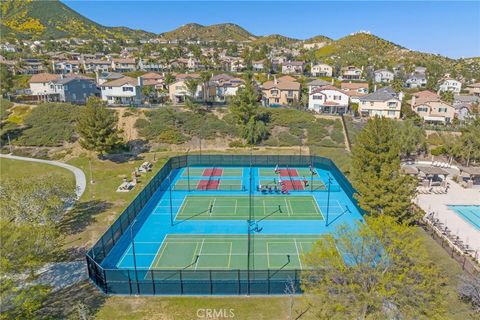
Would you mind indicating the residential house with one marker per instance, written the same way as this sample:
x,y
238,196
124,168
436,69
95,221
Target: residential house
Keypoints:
x,y
293,67
75,89
474,89
312,85
154,79
107,76
384,102
122,91
452,85
429,106
53,87
178,90
355,90
464,105
41,85
225,86
150,65
31,66
328,99
96,66
282,91
123,65
321,70
383,76
69,66
351,73
416,80
257,66
420,70
236,65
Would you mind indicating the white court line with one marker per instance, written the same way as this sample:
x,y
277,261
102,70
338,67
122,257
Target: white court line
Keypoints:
x,y
318,206
212,206
236,205
199,253
298,253
158,250
286,204
124,255
178,210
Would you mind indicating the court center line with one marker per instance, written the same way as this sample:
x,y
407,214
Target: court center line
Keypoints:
x,y
158,250
286,205
199,253
298,253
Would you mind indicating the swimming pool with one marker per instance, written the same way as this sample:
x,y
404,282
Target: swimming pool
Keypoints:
x,y
469,213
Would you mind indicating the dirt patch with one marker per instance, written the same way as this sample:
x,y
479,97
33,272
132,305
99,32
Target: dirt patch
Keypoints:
x,y
126,122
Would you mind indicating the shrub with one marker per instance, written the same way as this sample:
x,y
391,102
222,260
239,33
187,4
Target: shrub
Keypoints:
x,y
236,144
285,139
49,124
437,151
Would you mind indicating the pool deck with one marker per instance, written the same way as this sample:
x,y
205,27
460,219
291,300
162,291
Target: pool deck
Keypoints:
x,y
457,195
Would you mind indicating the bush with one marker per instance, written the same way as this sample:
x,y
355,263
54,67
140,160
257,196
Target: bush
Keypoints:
x,y
236,144
171,135
285,139
49,124
5,106
437,151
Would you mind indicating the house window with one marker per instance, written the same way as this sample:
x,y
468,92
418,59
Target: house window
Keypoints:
x,y
110,88
391,113
392,104
422,109
442,109
125,89
317,97
371,103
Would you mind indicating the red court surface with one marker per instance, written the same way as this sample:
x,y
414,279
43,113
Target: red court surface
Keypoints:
x,y
213,172
285,172
293,185
208,184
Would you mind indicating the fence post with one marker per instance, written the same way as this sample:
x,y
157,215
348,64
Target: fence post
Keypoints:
x,y
239,283
153,282
105,281
129,282
181,282
211,283
268,281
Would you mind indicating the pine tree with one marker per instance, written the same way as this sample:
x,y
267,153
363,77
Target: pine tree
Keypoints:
x,y
97,127
382,189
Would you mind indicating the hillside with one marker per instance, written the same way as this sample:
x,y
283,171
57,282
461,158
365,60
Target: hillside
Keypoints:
x,y
275,40
216,32
318,39
27,19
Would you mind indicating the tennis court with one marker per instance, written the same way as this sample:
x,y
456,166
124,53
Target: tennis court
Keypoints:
x,y
238,208
212,171
227,252
208,184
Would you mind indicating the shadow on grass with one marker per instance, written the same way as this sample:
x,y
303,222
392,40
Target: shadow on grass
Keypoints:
x,y
66,303
83,215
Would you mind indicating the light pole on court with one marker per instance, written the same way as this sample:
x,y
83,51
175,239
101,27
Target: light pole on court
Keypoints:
x,y
134,257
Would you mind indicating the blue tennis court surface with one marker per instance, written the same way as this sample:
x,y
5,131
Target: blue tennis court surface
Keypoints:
x,y
469,213
199,218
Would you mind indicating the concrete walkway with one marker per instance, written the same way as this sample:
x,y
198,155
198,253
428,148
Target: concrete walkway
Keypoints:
x,y
80,180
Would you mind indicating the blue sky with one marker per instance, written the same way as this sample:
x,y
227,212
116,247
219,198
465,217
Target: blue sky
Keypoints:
x,y
447,28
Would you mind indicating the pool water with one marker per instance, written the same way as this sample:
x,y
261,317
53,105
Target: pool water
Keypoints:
x,y
469,213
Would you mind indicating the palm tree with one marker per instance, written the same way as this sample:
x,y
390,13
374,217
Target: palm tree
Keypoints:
x,y
205,76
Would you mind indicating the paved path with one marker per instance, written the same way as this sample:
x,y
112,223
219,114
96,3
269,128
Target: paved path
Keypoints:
x,y
80,179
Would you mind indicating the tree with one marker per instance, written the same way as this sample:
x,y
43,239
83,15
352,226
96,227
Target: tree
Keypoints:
x,y
412,137
377,270
447,96
251,120
192,85
470,141
382,189
397,85
97,127
6,83
469,291
205,76
29,222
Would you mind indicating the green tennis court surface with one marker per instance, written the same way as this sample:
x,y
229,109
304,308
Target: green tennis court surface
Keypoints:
x,y
237,208
196,184
225,172
297,172
227,252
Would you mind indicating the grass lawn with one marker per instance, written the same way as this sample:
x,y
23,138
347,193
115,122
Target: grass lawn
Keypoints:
x,y
15,169
340,156
100,205
456,309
